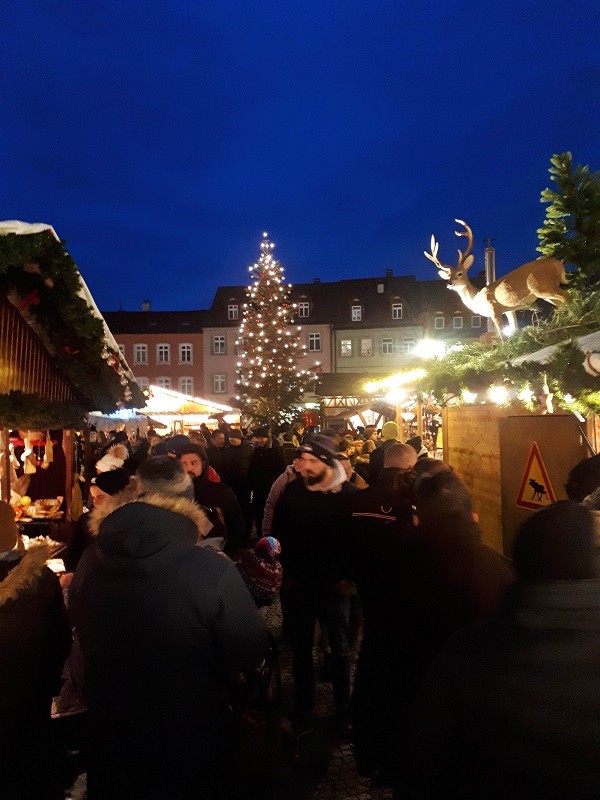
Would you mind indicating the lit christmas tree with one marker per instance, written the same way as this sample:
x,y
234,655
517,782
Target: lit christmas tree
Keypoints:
x,y
270,381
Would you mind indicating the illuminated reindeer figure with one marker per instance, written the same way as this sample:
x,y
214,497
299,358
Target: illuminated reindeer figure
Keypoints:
x,y
541,278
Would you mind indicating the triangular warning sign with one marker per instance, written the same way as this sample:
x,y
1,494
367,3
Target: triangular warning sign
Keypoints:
x,y
536,490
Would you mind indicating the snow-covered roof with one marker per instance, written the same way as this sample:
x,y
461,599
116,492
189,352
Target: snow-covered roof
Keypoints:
x,y
590,342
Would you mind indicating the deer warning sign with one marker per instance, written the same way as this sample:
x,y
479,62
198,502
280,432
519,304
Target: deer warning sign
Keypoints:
x,y
536,490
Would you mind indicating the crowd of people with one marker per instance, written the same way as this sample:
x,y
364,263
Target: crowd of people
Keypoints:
x,y
477,675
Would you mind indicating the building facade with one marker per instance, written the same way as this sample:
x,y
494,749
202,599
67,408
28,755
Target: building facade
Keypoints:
x,y
163,347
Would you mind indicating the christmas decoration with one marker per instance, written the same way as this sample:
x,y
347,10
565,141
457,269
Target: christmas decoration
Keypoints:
x,y
515,291
42,280
270,381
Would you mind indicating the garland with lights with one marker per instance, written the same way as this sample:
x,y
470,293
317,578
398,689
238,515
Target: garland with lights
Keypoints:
x,y
42,280
270,383
468,374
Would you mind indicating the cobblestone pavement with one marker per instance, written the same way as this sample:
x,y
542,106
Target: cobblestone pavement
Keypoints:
x,y
325,768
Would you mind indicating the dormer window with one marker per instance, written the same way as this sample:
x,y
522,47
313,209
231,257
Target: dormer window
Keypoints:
x,y
233,311
356,313
304,308
396,310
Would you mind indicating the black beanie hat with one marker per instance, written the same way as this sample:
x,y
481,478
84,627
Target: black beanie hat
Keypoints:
x,y
176,443
557,544
113,480
323,447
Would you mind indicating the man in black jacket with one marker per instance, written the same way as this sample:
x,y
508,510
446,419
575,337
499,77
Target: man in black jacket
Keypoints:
x,y
214,495
390,433
511,708
161,624
266,465
382,527
236,463
312,521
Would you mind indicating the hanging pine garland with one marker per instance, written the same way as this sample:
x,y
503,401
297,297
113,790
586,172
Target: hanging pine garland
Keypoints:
x,y
43,281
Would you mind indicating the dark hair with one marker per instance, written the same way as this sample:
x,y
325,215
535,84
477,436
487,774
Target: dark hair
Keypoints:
x,y
557,544
165,474
197,449
427,466
441,495
583,479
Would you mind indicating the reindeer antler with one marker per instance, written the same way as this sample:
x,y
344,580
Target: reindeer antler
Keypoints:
x,y
469,234
433,256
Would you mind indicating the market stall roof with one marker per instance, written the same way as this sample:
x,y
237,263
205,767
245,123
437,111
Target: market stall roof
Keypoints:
x,y
166,401
45,287
590,342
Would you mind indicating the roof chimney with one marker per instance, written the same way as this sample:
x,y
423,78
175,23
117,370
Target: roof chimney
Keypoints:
x,y
146,305
389,273
317,280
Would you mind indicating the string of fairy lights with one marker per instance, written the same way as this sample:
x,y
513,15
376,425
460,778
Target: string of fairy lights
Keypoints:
x,y
268,342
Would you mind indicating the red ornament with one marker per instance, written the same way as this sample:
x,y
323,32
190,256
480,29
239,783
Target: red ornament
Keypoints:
x,y
31,299
71,352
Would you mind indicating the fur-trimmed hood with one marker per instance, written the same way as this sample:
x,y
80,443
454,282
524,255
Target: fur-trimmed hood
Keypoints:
x,y
26,573
175,504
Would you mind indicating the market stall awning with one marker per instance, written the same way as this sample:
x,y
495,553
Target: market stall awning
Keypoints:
x,y
166,401
590,342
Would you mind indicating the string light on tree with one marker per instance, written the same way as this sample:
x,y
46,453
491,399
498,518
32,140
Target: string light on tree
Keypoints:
x,y
270,383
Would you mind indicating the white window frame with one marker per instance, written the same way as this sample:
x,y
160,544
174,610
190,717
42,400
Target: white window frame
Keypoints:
x,y
356,315
186,345
345,348
220,383
137,349
439,318
233,311
457,319
142,381
186,378
387,346
396,310
164,381
476,321
160,356
219,345
314,342
408,344
304,309
366,350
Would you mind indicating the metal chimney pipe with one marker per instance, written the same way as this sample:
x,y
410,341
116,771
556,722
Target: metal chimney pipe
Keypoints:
x,y
490,272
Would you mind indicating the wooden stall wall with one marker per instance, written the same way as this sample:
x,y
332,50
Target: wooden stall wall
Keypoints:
x,y
25,364
472,447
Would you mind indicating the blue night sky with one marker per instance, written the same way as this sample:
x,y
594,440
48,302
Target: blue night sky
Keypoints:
x,y
161,138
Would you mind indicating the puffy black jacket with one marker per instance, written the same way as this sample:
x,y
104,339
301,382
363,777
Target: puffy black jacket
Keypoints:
x,y
161,623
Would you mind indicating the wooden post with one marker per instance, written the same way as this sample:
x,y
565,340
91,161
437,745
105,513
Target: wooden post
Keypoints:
x,y
5,485
419,410
67,443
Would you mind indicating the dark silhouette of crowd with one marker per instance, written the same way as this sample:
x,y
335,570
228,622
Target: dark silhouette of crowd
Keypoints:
x,y
476,674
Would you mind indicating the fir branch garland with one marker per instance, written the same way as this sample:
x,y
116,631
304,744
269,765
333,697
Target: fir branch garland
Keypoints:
x,y
38,266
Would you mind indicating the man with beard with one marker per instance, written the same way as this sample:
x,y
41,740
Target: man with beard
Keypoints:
x,y
213,496
312,521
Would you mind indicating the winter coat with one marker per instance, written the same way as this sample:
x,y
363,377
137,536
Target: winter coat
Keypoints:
x,y
81,537
376,461
313,527
511,708
266,465
35,639
456,580
218,495
216,458
236,463
277,490
161,624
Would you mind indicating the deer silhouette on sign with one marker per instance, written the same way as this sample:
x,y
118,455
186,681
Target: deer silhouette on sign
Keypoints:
x,y
539,490
536,279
